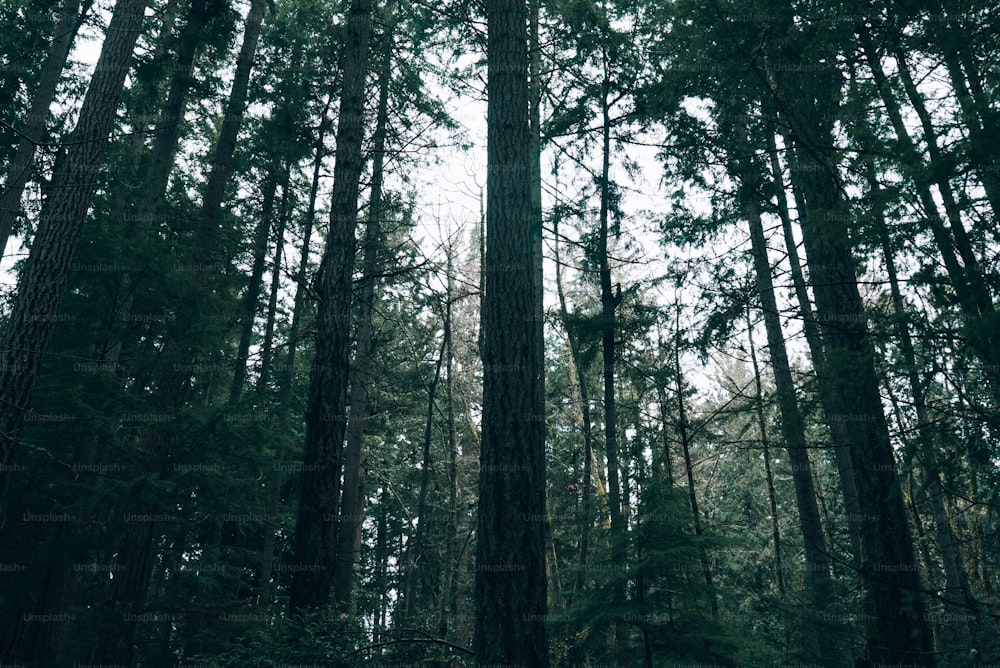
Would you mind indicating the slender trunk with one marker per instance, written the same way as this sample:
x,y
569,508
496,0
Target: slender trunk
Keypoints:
x,y
792,424
362,372
315,539
955,593
270,319
974,294
609,302
768,476
210,219
42,281
71,17
578,374
416,580
251,298
977,114
298,306
682,432
966,277
170,121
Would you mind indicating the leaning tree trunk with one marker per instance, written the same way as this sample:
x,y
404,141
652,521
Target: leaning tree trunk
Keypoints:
x,y
792,424
209,222
73,182
19,171
510,585
772,500
315,540
896,630
251,298
955,593
840,441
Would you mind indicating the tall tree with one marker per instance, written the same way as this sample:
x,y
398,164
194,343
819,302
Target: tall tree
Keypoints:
x,y
326,419
41,285
897,630
510,586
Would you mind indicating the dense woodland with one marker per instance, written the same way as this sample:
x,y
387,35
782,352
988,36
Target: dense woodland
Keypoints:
x,y
698,366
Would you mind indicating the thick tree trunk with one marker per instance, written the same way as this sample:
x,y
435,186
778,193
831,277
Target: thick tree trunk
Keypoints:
x,y
44,276
511,587
839,438
315,539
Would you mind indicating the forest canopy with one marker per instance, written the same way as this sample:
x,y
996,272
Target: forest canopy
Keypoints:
x,y
569,333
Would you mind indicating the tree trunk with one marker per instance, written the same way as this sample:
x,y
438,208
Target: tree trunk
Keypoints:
x,y
418,572
792,424
896,630
682,432
251,298
840,441
966,277
210,219
270,320
362,372
315,539
768,475
71,17
954,593
510,587
44,277
578,373
609,302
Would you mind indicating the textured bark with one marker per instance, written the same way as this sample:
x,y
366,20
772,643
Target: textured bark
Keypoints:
x,y
71,17
63,215
326,419
362,372
510,586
